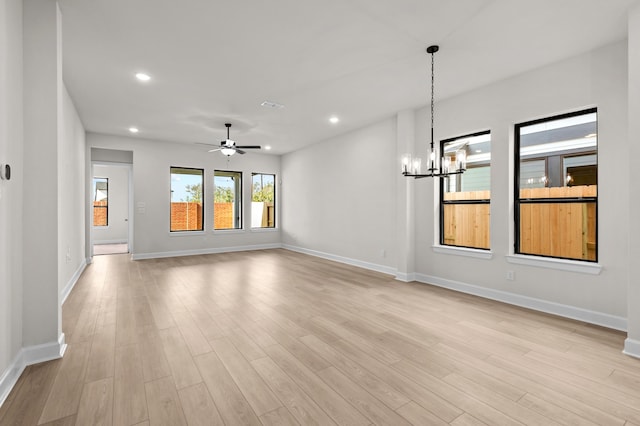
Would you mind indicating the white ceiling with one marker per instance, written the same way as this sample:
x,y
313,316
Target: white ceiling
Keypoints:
x,y
215,61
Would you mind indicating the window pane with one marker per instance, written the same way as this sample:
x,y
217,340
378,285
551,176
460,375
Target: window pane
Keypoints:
x,y
559,229
227,200
533,174
467,225
263,201
186,199
100,201
551,150
464,203
558,170
475,183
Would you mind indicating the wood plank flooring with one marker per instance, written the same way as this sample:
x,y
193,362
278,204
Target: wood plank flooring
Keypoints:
x,y
279,338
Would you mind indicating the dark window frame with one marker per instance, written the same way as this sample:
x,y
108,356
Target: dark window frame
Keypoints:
x,y
579,200
238,197
444,202
275,195
202,227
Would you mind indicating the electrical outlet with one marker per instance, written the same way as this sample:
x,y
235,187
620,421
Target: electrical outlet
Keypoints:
x,y
511,275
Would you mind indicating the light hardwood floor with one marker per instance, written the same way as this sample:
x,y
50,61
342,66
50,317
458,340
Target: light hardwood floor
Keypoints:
x,y
279,338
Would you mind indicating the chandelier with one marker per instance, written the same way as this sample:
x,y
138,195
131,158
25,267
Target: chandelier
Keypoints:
x,y
437,165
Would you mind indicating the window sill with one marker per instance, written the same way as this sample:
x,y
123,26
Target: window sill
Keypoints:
x,y
560,264
228,231
186,233
264,229
463,251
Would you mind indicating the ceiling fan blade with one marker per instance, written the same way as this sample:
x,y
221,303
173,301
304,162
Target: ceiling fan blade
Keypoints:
x,y
239,151
249,146
214,150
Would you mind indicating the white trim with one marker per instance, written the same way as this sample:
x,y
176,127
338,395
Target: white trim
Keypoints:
x,y
349,261
72,282
265,229
405,277
28,356
186,233
228,231
572,312
463,251
100,242
211,250
632,347
10,377
552,263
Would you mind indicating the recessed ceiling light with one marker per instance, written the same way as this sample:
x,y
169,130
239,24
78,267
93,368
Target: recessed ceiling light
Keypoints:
x,y
267,147
143,77
334,120
133,129
478,150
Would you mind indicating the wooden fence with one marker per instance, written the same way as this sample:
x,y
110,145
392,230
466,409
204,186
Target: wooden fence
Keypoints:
x,y
559,229
550,229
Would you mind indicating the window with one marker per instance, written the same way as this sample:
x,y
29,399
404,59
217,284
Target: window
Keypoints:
x,y
263,200
227,200
556,186
100,201
465,198
186,199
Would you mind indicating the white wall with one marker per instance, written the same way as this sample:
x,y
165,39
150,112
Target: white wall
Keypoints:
x,y
71,197
339,196
117,230
632,344
43,102
11,137
596,79
151,190
361,170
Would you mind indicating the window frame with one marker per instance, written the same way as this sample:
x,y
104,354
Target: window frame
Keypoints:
x,y
518,201
275,209
238,199
95,191
444,202
202,226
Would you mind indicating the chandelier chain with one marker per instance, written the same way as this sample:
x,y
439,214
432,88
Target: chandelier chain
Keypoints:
x,y
432,96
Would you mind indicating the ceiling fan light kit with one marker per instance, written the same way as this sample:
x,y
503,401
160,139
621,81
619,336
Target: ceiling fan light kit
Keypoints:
x,y
228,147
437,165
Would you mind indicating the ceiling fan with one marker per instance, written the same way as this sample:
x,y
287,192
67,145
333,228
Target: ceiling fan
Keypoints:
x,y
228,147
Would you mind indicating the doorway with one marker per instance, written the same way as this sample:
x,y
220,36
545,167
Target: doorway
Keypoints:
x,y
110,208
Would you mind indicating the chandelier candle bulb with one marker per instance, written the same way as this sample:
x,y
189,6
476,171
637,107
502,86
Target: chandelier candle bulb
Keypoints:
x,y
446,164
417,166
406,162
461,160
432,160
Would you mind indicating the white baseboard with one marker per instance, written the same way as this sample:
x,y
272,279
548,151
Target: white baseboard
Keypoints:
x,y
580,314
632,348
212,250
407,278
72,282
353,262
28,356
